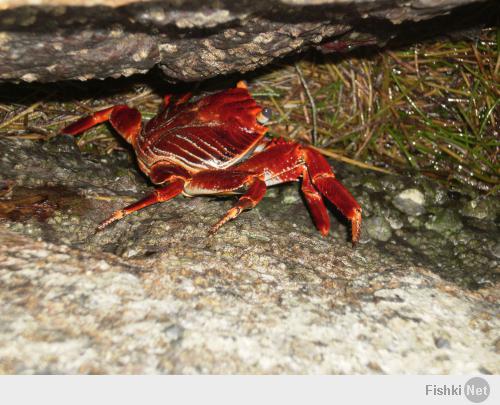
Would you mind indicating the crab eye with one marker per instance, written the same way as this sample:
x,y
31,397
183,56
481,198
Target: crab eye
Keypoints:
x,y
265,115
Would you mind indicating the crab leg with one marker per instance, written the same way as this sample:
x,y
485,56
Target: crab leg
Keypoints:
x,y
324,180
247,201
224,182
125,120
161,194
315,204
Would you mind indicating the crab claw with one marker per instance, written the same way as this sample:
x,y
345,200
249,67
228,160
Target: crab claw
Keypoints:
x,y
125,120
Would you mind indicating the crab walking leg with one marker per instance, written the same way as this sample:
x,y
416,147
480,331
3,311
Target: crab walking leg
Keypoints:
x,y
324,180
161,194
247,201
125,120
315,203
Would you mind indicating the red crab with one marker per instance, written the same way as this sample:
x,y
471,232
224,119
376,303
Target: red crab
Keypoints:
x,y
216,146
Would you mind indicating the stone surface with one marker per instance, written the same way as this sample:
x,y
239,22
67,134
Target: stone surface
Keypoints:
x,y
444,221
378,228
267,294
478,209
67,311
191,40
496,250
410,202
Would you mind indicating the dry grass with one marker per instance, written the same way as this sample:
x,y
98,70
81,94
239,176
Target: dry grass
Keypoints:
x,y
432,108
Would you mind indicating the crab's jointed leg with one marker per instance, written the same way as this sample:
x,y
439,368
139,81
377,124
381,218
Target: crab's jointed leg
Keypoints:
x,y
160,194
324,180
125,120
288,161
247,201
315,203
223,182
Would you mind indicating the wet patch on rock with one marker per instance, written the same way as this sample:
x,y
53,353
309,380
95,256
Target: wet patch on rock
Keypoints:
x,y
23,203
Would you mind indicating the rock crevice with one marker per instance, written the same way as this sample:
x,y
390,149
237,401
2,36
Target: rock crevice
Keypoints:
x,y
189,40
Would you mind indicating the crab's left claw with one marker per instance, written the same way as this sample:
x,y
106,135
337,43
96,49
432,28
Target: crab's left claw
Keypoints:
x,y
125,120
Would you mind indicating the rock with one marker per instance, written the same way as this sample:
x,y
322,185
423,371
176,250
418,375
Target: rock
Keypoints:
x,y
69,311
372,183
153,293
395,220
192,40
496,250
480,209
441,342
434,194
378,228
444,221
410,201
290,195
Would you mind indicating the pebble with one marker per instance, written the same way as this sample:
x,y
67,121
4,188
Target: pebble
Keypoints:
x,y
174,332
444,221
290,195
410,201
395,220
272,192
378,228
479,209
372,184
495,250
441,343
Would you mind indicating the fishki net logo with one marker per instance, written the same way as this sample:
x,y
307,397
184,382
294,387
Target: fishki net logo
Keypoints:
x,y
476,390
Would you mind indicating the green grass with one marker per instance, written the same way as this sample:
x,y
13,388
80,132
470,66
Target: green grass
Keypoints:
x,y
432,108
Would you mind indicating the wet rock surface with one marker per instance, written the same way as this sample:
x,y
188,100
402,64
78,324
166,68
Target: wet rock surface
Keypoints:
x,y
267,294
191,40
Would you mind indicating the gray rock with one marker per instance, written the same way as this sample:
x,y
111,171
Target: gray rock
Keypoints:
x,y
69,311
267,294
480,209
410,201
372,183
496,250
378,228
191,40
444,221
290,195
395,219
435,194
